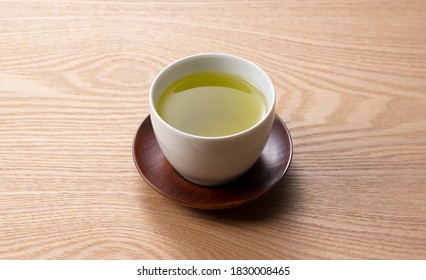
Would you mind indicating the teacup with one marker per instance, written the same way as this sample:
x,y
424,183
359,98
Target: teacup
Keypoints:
x,y
212,160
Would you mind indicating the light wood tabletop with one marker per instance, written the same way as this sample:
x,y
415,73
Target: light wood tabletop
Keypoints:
x,y
350,79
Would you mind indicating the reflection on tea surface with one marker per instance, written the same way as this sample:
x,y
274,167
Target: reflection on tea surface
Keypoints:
x,y
212,104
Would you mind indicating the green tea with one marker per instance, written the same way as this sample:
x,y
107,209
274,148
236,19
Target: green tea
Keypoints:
x,y
212,104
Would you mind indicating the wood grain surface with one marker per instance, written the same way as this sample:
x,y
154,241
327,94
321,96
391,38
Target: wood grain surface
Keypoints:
x,y
350,78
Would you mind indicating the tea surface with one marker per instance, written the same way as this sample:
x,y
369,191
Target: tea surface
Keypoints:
x,y
212,104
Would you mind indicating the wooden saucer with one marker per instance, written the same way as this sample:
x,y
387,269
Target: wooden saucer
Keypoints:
x,y
265,173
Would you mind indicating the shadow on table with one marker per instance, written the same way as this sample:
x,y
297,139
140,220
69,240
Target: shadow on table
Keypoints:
x,y
281,200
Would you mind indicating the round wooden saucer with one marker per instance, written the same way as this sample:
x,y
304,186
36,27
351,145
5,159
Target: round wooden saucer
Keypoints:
x,y
265,173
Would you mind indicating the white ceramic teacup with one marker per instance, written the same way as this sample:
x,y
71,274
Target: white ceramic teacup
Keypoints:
x,y
211,161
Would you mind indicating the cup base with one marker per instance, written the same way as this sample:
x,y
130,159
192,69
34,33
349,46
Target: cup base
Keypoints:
x,y
209,184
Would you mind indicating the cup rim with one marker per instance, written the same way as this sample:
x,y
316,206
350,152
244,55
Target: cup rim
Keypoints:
x,y
153,109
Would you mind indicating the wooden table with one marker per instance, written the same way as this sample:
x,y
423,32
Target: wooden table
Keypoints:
x,y
350,78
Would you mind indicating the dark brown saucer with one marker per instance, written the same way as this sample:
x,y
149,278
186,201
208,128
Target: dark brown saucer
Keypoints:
x,y
265,173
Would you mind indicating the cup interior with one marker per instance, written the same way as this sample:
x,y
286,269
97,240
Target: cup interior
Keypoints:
x,y
213,62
